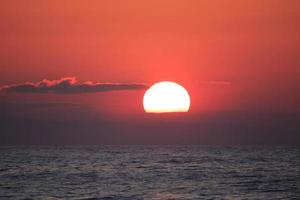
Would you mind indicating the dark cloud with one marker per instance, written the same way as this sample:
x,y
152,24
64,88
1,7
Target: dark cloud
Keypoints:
x,y
69,85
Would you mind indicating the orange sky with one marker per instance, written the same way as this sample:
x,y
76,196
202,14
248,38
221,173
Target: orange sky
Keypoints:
x,y
230,55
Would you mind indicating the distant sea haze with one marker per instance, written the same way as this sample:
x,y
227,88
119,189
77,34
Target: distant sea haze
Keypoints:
x,y
149,172
77,124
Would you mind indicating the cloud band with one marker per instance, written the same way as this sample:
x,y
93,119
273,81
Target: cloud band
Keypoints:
x,y
69,85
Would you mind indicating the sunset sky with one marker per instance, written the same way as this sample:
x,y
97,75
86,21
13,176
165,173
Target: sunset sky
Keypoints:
x,y
239,61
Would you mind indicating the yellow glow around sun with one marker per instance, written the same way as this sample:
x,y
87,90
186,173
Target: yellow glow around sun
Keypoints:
x,y
166,97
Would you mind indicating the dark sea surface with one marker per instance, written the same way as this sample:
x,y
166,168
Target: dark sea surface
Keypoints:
x,y
150,172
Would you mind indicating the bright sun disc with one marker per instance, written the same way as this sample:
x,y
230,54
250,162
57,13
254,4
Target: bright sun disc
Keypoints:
x,y
166,97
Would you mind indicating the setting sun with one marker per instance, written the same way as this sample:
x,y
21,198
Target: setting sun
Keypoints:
x,y
166,97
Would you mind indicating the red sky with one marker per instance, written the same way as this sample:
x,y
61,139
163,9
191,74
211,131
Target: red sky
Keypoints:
x,y
253,45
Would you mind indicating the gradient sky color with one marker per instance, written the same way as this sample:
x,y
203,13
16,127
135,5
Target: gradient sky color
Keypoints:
x,y
232,56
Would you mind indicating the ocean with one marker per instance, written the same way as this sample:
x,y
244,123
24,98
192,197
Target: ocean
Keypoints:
x,y
149,172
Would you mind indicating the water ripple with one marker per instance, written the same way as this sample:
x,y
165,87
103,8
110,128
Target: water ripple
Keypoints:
x,y
149,172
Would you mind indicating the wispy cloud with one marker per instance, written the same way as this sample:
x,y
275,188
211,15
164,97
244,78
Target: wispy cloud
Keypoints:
x,y
69,85
219,82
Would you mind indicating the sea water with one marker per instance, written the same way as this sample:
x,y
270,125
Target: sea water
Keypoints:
x,y
149,172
